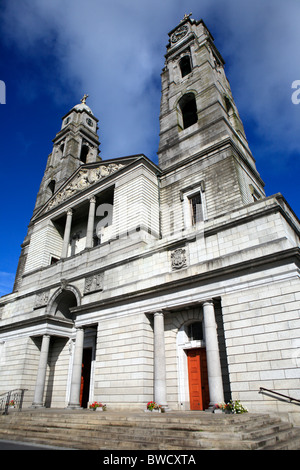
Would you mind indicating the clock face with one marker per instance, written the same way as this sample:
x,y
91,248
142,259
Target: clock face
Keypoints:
x,y
179,33
89,122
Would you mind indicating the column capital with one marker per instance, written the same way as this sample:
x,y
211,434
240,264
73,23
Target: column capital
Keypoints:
x,y
92,199
158,312
79,328
69,212
207,302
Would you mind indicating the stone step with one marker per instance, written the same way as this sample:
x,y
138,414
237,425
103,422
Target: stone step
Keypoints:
x,y
139,431
129,428
121,442
92,419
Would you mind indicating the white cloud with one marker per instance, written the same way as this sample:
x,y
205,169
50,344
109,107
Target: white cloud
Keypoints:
x,y
113,50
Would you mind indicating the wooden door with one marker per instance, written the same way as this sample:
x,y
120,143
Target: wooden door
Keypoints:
x,y
198,379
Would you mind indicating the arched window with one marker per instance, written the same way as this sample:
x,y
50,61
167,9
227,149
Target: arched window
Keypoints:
x,y
50,189
195,331
84,153
51,186
188,107
185,65
228,105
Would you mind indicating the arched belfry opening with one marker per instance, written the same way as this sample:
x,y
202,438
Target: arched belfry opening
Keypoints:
x,y
185,65
51,187
84,153
188,108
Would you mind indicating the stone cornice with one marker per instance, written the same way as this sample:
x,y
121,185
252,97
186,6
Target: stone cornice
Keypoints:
x,y
215,275
42,320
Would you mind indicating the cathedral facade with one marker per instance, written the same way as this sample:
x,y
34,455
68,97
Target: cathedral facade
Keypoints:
x,y
176,282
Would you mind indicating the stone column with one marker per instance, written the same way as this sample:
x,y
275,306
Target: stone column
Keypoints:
x,y
41,375
67,233
160,395
90,225
74,401
215,382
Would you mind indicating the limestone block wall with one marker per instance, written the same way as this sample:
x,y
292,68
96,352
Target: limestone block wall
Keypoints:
x,y
262,338
124,361
223,189
136,203
19,358
45,242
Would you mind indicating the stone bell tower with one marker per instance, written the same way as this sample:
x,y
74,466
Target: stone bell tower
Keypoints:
x,y
202,140
75,144
197,107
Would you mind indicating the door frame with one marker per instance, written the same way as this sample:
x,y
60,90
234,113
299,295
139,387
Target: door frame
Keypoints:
x,y
203,377
90,341
184,345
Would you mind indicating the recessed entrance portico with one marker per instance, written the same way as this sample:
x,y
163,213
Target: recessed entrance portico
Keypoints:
x,y
212,360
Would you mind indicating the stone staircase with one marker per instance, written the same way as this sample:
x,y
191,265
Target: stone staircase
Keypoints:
x,y
173,431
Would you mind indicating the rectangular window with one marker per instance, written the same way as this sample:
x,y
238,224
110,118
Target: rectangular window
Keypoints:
x,y
194,205
196,208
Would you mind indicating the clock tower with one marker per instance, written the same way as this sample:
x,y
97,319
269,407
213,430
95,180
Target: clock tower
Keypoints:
x,y
75,144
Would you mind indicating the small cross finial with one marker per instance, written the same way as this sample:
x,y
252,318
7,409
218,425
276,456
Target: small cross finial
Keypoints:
x,y
83,99
186,17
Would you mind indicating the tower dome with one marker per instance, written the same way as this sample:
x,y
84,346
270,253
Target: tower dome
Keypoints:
x,y
82,106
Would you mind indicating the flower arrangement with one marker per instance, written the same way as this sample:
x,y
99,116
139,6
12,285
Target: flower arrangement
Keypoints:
x,y
96,405
237,407
12,403
219,406
231,407
152,405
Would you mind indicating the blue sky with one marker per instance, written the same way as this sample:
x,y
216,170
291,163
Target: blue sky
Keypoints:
x,y
52,52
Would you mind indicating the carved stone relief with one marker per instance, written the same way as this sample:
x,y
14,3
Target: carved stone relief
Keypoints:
x,y
178,259
84,179
41,299
93,283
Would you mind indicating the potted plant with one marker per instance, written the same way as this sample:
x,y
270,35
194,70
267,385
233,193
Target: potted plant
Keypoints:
x,y
218,407
232,407
153,406
96,406
237,407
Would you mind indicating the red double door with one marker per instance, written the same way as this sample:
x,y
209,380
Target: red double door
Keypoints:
x,y
198,379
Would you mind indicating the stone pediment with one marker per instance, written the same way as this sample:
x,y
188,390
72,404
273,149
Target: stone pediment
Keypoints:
x,y
83,178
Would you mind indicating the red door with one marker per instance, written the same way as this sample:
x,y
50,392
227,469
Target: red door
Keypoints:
x,y
198,379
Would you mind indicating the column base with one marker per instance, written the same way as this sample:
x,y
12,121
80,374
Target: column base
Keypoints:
x,y
37,405
166,409
74,407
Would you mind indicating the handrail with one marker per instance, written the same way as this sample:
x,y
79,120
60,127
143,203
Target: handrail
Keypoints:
x,y
15,397
290,399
